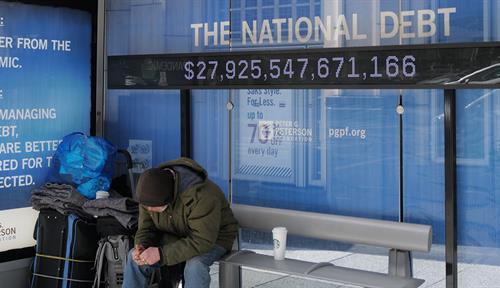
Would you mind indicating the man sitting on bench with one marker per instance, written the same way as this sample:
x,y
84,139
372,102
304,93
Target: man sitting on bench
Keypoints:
x,y
183,217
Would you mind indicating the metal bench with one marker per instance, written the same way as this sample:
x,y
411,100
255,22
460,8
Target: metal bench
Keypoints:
x,y
400,238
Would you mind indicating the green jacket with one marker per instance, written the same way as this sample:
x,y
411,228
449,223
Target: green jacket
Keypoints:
x,y
198,218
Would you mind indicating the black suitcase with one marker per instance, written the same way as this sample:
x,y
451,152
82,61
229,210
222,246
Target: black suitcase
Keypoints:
x,y
65,251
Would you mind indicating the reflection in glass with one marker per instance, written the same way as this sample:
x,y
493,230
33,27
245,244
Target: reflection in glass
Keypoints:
x,y
210,122
132,122
317,151
478,137
423,181
487,75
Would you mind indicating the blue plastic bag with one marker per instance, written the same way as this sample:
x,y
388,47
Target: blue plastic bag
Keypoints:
x,y
84,161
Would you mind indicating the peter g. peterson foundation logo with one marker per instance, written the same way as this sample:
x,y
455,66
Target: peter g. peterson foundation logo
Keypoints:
x,y
7,233
266,131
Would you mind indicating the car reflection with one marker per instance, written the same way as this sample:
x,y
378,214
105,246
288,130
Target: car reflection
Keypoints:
x,y
487,75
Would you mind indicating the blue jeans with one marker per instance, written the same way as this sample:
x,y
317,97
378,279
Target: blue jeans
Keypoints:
x,y
196,272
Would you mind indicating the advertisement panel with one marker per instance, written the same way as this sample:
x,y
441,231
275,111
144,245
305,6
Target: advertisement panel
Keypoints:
x,y
264,146
45,93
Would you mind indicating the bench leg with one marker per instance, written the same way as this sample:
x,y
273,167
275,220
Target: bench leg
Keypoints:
x,y
400,263
229,276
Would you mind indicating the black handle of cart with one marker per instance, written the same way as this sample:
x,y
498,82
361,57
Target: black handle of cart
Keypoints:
x,y
129,166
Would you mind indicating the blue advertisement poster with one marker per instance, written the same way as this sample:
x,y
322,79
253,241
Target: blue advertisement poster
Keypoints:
x,y
45,93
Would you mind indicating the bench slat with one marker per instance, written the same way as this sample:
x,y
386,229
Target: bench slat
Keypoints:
x,y
325,272
390,234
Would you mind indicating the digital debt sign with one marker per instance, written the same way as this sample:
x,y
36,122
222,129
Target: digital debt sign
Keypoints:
x,y
439,66
415,66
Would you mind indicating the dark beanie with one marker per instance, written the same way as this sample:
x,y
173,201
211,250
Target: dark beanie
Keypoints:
x,y
156,187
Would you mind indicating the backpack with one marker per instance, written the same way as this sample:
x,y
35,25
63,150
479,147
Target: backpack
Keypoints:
x,y
111,258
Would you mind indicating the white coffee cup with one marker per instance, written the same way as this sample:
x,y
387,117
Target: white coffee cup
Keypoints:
x,y
279,242
101,194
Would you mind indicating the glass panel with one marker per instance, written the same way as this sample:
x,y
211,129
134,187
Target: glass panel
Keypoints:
x,y
169,23
210,121
285,12
423,148
303,11
147,123
333,147
478,153
267,2
251,14
317,10
373,23
235,3
236,26
251,3
268,13
328,151
290,151
146,27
